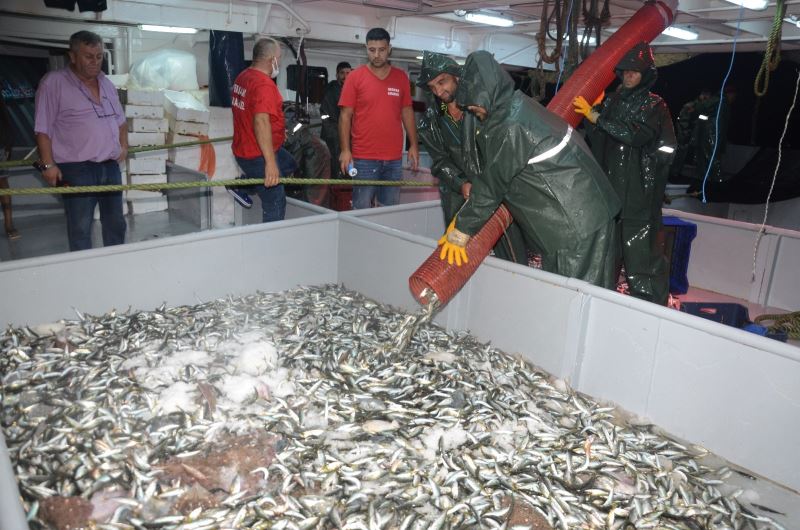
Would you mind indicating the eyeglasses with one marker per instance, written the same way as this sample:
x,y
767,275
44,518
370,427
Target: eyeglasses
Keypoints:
x,y
102,106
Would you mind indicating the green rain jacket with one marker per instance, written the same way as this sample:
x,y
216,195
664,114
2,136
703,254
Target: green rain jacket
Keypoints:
x,y
311,153
442,138
532,161
634,141
441,135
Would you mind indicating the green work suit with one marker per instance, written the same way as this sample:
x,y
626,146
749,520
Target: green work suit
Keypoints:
x,y
634,141
441,135
542,170
312,156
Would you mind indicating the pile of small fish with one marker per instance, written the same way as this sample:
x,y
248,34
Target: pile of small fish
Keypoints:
x,y
118,413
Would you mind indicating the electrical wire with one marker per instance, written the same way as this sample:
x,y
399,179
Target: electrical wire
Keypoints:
x,y
774,177
721,100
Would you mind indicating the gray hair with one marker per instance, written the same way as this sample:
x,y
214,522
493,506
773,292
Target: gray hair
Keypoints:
x,y
264,48
84,37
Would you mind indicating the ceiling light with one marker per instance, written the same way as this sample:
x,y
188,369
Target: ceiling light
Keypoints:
x,y
680,33
488,19
792,19
167,29
756,5
419,57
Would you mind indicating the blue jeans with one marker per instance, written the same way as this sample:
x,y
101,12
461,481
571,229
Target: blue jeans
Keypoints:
x,y
376,170
79,207
273,200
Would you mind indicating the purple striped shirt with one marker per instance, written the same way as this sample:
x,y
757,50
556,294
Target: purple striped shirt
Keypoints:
x,y
80,128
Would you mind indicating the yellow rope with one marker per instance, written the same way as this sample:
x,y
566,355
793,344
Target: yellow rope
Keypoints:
x,y
159,186
132,150
787,322
772,55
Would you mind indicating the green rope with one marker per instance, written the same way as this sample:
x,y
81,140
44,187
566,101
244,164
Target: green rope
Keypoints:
x,y
132,150
772,55
159,186
787,322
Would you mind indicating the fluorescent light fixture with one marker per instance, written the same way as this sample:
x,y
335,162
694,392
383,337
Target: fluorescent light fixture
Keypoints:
x,y
489,19
419,57
755,5
666,149
680,33
297,127
167,29
792,19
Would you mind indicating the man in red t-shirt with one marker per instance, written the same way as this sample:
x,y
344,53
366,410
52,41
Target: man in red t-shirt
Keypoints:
x,y
375,100
258,130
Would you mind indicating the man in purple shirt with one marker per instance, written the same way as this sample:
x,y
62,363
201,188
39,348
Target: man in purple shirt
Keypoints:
x,y
81,133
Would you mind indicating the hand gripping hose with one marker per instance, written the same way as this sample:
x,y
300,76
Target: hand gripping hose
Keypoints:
x,y
592,77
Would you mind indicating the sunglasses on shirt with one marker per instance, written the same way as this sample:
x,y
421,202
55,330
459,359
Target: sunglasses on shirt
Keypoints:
x,y
102,107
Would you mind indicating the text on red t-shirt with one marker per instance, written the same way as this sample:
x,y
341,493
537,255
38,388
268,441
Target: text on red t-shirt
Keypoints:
x,y
254,92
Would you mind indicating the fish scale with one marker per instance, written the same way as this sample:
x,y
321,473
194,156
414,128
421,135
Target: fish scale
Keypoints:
x,y
394,423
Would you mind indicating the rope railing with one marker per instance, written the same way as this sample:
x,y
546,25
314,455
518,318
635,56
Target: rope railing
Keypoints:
x,y
132,150
160,186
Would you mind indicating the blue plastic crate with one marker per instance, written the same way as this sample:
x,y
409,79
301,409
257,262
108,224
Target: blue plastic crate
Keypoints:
x,y
735,315
678,236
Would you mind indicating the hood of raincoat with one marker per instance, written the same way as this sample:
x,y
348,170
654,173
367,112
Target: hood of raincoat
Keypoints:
x,y
640,59
484,83
434,64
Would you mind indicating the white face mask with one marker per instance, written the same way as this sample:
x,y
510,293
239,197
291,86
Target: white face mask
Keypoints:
x,y
275,70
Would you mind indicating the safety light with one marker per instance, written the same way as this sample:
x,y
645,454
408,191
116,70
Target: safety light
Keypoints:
x,y
755,5
167,29
680,33
489,19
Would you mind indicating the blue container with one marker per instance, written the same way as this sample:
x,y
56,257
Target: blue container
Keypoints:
x,y
678,237
735,315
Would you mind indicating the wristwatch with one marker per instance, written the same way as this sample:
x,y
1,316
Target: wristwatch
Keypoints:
x,y
42,167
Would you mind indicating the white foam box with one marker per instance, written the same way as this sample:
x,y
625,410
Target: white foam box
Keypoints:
x,y
143,111
136,139
220,122
160,125
187,127
139,96
147,166
200,95
184,107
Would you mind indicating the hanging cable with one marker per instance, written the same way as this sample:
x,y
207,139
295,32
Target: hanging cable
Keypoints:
x,y
721,101
774,177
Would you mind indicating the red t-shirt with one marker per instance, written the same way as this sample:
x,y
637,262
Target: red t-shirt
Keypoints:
x,y
377,128
254,92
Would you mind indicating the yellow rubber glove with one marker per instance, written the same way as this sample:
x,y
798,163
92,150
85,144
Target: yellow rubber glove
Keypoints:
x,y
582,107
450,228
454,247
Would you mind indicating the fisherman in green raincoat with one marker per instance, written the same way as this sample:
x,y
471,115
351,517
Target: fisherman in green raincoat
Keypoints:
x,y
543,172
633,140
311,154
440,131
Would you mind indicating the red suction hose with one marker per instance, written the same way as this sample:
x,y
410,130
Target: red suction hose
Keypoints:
x,y
592,77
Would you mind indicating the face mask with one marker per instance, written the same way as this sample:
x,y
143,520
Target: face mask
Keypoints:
x,y
275,70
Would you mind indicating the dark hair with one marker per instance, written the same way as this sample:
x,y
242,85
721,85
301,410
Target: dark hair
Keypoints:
x,y
84,37
343,64
378,34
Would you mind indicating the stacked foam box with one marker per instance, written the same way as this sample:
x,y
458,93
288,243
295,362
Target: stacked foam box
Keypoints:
x,y
220,125
146,126
187,116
